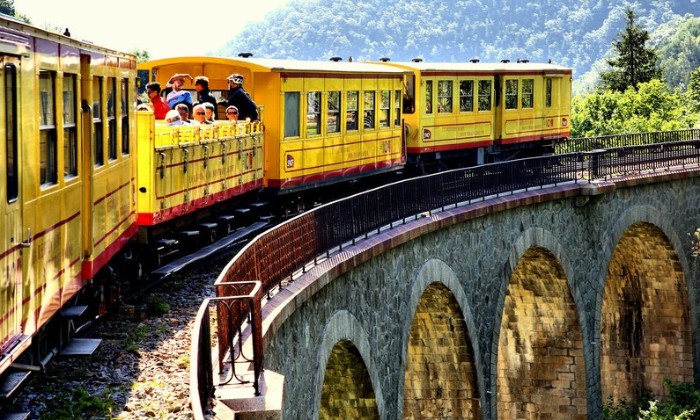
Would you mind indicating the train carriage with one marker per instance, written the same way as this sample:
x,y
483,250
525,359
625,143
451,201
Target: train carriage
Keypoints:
x,y
325,122
67,198
473,113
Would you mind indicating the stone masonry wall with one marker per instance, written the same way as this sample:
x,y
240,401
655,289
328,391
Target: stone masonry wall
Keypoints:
x,y
373,304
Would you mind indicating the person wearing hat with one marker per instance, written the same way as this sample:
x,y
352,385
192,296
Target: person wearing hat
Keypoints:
x,y
240,99
178,95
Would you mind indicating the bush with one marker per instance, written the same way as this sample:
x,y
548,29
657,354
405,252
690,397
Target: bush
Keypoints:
x,y
683,403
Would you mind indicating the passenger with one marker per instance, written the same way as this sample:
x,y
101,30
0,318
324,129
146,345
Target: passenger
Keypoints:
x,y
173,118
160,107
178,95
240,99
199,114
232,114
201,85
209,115
184,112
144,107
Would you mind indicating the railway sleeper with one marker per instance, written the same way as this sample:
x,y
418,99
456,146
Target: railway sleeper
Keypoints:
x,y
225,222
208,231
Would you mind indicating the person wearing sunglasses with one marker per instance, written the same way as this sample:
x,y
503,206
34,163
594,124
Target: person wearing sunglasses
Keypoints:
x,y
247,109
232,114
199,114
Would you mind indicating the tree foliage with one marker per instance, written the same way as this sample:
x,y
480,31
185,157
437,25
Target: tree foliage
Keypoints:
x,y
652,107
678,46
635,62
573,33
7,7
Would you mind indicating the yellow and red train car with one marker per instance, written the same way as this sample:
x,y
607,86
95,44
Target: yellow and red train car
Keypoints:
x,y
325,122
67,196
473,113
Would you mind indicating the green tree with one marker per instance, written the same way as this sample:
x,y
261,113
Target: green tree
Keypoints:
x,y
635,62
7,7
678,50
141,55
652,107
693,91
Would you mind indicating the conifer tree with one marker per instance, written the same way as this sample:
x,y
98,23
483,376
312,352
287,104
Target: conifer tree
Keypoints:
x,y
635,62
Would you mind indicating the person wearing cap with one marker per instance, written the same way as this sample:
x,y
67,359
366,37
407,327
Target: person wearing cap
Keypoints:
x,y
160,107
178,95
201,85
232,114
240,99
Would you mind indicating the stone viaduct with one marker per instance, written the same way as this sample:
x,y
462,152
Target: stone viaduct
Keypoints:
x,y
542,304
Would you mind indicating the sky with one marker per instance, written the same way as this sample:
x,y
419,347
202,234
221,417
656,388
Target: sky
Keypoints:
x,y
164,28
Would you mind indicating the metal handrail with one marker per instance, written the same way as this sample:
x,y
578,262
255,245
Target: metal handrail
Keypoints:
x,y
278,253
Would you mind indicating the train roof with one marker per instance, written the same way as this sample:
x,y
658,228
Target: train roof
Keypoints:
x,y
282,65
14,32
478,67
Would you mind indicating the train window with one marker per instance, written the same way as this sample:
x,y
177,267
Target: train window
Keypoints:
x,y
70,129
369,109
47,127
112,118
484,95
313,113
397,108
11,131
528,92
428,96
548,93
334,112
384,108
466,96
125,116
511,94
291,114
351,108
445,96
97,127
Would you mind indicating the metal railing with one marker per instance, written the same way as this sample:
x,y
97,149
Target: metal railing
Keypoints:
x,y
587,144
275,255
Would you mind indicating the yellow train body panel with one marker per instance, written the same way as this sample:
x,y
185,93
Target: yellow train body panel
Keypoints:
x,y
64,215
187,168
455,107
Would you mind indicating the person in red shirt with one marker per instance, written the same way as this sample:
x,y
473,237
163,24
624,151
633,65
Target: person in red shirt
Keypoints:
x,y
160,107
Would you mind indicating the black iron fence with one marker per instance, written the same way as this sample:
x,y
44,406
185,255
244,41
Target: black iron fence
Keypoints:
x,y
277,254
587,144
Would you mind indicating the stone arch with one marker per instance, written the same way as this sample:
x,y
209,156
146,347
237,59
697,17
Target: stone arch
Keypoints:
x,y
540,363
439,375
645,321
345,342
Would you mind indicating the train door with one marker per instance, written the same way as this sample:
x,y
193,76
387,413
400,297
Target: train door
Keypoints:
x,y
86,144
497,108
11,230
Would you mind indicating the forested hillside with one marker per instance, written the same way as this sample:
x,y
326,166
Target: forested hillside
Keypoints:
x,y
574,33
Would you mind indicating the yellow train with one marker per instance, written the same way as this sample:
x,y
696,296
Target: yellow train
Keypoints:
x,y
67,198
94,189
324,121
